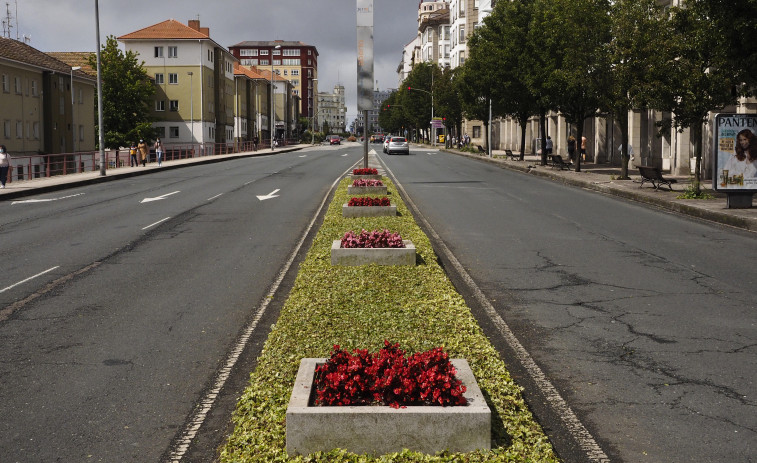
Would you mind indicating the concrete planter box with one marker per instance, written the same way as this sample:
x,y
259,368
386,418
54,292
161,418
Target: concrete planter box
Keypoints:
x,y
379,430
366,177
366,190
378,256
369,211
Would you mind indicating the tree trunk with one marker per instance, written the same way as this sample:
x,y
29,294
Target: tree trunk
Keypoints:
x,y
624,143
543,130
522,141
579,141
696,135
486,138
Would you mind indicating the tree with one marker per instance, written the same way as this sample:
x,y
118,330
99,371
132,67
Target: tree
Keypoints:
x,y
447,101
702,75
573,36
640,34
127,96
505,36
417,103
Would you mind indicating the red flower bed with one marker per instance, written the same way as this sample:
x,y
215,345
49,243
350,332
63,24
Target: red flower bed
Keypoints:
x,y
368,171
388,378
369,202
374,239
368,182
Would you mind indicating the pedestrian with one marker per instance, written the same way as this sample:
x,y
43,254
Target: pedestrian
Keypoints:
x,y
133,155
548,145
583,148
159,151
5,165
142,147
255,141
572,148
630,152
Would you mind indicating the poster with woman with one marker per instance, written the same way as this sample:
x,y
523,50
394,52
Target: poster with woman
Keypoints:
x,y
735,152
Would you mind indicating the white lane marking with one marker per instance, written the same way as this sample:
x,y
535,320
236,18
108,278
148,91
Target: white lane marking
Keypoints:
x,y
27,201
181,446
571,422
303,155
158,198
214,197
269,195
28,279
345,154
156,223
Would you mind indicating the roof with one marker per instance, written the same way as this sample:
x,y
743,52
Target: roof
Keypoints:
x,y
266,73
20,52
168,29
76,58
250,72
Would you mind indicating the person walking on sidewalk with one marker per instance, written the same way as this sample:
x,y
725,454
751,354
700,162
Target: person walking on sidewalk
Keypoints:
x,y
5,165
159,151
572,148
255,141
133,155
142,147
549,145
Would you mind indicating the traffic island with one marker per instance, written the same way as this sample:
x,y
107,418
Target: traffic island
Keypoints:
x,y
369,211
378,429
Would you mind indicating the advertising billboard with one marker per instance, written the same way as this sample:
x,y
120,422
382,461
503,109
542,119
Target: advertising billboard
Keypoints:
x,y
735,153
364,55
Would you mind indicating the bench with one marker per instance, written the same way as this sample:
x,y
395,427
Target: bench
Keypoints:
x,y
558,162
511,155
654,176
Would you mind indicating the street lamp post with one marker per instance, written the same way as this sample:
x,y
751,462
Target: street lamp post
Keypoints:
x,y
191,110
273,103
100,92
73,113
312,119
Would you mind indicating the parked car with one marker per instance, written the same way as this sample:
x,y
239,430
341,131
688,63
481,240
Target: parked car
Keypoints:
x,y
386,142
398,145
335,140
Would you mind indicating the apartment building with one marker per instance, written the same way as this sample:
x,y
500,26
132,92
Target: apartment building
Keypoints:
x,y
295,61
434,32
332,110
46,106
194,79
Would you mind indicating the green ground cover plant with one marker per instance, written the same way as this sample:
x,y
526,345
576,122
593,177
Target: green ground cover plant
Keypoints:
x,y
359,308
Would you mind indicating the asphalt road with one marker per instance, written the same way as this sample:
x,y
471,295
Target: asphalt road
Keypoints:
x,y
644,321
120,301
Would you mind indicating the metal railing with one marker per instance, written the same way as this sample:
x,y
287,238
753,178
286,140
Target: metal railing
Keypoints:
x,y
29,167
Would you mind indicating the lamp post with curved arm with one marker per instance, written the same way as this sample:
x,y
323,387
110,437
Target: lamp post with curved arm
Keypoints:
x,y
273,103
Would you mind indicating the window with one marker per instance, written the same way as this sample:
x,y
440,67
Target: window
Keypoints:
x,y
248,52
462,34
62,105
173,78
6,83
295,72
277,62
285,72
173,52
210,55
173,132
291,52
476,131
81,132
160,105
462,58
174,105
249,62
291,62
158,52
264,62
295,82
19,129
36,130
17,85
263,52
7,129
277,52
159,79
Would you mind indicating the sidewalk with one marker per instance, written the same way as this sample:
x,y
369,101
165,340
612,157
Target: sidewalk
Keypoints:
x,y
23,188
603,178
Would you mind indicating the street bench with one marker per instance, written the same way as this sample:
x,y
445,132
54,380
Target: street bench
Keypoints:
x,y
511,155
654,176
557,161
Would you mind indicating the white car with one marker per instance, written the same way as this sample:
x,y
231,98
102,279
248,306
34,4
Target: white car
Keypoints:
x,y
398,145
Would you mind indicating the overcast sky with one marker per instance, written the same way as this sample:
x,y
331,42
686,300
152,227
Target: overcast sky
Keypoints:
x,y
329,25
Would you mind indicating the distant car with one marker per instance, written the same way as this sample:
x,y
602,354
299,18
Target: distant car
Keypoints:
x,y
386,142
398,145
335,140
377,138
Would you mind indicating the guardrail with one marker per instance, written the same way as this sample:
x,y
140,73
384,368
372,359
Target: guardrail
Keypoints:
x,y
51,165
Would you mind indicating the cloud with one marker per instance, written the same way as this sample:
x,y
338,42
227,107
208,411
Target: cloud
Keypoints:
x,y
329,25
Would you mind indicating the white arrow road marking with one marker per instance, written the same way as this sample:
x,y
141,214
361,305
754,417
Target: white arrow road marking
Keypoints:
x,y
345,154
269,195
158,198
303,155
26,201
153,224
30,278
